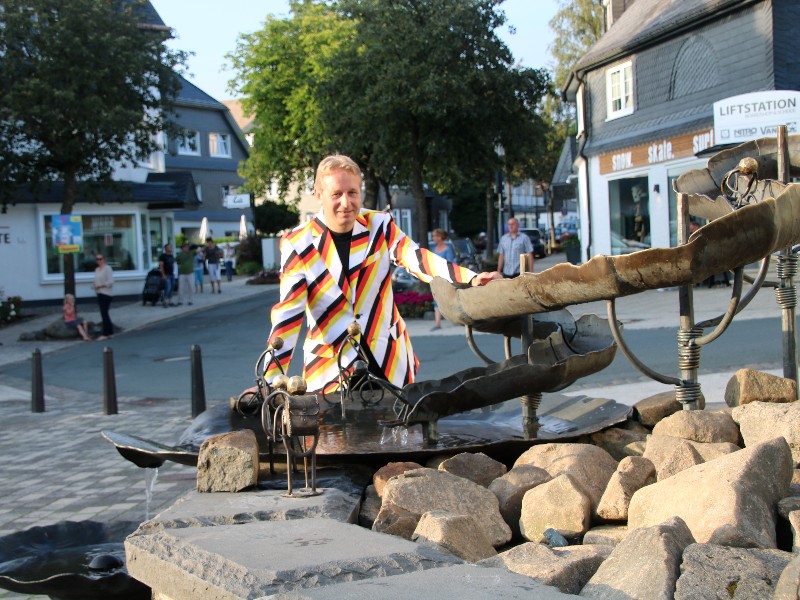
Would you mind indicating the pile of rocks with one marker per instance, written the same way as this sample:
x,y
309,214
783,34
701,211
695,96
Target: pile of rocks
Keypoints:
x,y
683,504
690,504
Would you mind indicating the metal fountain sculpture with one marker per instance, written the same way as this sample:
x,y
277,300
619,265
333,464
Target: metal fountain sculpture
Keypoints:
x,y
752,212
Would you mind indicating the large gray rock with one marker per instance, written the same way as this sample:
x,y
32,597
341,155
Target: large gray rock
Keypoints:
x,y
652,409
589,466
749,385
728,501
560,504
228,462
567,568
423,490
711,571
511,488
609,535
761,421
458,534
620,442
646,564
390,470
461,582
395,520
788,587
660,449
475,466
269,557
699,426
633,473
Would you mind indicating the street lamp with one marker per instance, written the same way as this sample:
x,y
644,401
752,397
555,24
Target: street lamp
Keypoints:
x,y
501,153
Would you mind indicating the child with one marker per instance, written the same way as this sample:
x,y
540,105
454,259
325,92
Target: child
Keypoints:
x,y
199,261
71,318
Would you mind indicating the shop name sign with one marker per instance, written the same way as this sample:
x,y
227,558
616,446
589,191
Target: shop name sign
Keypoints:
x,y
236,201
750,116
682,146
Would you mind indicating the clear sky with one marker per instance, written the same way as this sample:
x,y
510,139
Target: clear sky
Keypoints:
x,y
210,28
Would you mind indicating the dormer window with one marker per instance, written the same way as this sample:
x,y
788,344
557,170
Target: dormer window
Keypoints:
x,y
189,144
219,144
619,90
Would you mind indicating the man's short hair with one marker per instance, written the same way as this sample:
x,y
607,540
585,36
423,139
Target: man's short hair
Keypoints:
x,y
336,161
209,239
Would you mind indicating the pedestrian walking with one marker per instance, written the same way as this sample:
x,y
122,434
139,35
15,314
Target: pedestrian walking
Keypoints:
x,y
213,256
103,285
199,267
185,262
511,246
166,264
230,254
445,250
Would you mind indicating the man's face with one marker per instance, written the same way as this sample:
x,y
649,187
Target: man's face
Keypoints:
x,y
513,226
339,193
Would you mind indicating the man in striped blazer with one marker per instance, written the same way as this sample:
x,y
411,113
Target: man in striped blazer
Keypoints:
x,y
335,269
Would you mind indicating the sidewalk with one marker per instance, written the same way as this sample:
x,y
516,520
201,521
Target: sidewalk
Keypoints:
x,y
57,467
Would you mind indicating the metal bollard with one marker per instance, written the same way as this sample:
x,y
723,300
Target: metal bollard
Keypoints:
x,y
198,386
109,383
37,383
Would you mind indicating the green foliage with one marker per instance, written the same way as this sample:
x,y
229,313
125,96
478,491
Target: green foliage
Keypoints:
x,y
577,25
468,216
84,87
249,251
10,308
571,241
248,268
271,218
426,103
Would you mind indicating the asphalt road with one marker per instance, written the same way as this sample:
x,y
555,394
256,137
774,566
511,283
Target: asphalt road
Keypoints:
x,y
155,361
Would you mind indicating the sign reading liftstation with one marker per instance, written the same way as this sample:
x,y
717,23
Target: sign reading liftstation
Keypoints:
x,y
757,115
681,146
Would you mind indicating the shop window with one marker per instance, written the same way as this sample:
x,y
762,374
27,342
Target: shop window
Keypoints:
x,y
630,215
112,235
219,145
619,90
402,217
189,144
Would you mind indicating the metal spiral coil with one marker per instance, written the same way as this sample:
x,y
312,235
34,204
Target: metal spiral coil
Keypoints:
x,y
688,393
786,267
688,351
786,297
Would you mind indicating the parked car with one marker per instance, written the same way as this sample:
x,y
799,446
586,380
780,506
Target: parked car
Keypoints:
x,y
539,249
402,280
466,254
621,245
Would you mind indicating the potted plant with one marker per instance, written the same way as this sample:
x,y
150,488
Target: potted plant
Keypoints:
x,y
572,248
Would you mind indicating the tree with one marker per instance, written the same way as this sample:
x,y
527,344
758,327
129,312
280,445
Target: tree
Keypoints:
x,y
577,25
270,218
85,85
278,71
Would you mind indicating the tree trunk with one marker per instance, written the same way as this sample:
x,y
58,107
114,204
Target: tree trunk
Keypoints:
x,y
418,190
549,196
489,219
371,188
70,192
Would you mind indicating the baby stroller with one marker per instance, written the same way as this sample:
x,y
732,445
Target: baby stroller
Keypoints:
x,y
153,287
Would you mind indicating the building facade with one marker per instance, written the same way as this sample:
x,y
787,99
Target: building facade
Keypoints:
x,y
645,97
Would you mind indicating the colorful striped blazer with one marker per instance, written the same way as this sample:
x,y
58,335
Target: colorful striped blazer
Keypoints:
x,y
313,282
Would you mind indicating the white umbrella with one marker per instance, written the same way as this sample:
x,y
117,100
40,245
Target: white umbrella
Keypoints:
x,y
203,229
242,228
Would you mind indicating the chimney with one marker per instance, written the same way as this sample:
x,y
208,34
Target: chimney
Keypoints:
x,y
614,9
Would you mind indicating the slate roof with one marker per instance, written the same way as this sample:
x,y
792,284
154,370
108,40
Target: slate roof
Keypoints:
x,y
648,21
165,191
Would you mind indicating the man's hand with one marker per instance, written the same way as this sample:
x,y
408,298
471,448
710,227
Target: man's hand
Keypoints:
x,y
485,277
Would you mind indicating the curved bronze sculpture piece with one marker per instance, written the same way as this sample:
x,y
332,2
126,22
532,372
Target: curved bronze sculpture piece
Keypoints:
x,y
731,241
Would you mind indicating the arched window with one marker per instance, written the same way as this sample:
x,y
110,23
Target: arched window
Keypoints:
x,y
696,68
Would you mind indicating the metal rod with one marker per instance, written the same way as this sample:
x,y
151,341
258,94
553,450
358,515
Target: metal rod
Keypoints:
x,y
748,297
733,309
530,402
474,347
623,346
786,293
37,383
198,384
109,383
